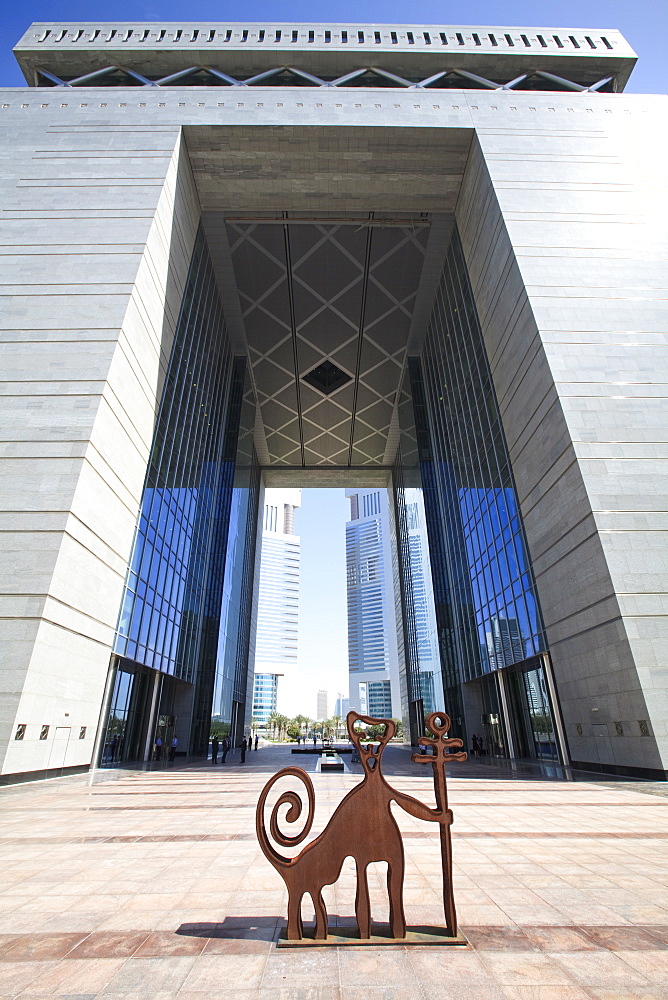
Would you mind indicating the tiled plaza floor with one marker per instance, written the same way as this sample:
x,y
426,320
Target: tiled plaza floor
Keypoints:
x,y
151,884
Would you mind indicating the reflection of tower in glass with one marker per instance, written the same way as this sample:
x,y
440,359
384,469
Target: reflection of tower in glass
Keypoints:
x,y
276,687
504,642
372,634
423,600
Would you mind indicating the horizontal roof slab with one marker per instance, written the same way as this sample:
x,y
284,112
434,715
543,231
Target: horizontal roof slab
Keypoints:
x,y
242,50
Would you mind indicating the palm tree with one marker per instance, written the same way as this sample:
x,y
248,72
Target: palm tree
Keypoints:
x,y
272,720
302,722
336,722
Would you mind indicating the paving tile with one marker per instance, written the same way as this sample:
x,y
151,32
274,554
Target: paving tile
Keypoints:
x,y
233,945
660,933
231,993
525,969
378,993
600,969
73,976
376,967
651,964
433,966
302,967
42,947
159,995
6,942
450,989
70,922
508,938
148,975
626,993
216,972
627,938
561,939
109,944
18,976
545,993
306,993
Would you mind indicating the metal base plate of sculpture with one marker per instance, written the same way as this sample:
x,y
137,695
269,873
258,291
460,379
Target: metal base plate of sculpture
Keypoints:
x,y
362,828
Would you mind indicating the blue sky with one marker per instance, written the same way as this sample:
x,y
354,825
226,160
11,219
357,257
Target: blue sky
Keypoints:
x,y
323,633
643,22
321,521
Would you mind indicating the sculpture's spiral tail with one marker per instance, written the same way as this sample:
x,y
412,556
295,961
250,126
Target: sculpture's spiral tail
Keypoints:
x,y
295,803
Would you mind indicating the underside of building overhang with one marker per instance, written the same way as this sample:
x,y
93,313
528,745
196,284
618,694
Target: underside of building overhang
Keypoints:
x,y
328,246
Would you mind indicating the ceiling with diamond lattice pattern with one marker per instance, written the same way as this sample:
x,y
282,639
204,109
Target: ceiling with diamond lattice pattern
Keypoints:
x,y
327,309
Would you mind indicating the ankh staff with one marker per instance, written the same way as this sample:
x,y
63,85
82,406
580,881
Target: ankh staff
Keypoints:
x,y
436,753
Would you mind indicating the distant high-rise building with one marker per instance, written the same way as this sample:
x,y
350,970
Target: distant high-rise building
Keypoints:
x,y
342,706
372,631
275,687
322,706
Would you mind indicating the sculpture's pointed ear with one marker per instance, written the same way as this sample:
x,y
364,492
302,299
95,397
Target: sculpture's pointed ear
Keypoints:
x,y
391,731
355,736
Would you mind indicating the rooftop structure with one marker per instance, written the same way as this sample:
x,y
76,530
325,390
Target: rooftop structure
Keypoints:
x,y
99,54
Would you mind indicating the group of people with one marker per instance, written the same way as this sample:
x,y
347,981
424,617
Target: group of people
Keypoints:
x,y
477,745
158,748
225,745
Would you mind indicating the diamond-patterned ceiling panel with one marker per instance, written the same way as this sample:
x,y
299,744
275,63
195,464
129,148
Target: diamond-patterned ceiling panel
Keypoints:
x,y
327,310
327,377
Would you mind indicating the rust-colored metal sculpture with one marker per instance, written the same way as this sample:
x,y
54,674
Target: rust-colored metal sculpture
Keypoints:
x,y
363,828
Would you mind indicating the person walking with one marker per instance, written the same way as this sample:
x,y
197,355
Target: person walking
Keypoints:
x,y
172,747
257,740
243,750
226,747
158,748
214,750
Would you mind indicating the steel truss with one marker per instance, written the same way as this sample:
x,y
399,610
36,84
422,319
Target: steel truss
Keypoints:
x,y
466,80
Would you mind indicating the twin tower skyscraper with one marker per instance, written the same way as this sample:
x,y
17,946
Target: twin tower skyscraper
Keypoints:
x,y
372,619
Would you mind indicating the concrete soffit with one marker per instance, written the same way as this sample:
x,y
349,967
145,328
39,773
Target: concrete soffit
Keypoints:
x,y
221,261
253,182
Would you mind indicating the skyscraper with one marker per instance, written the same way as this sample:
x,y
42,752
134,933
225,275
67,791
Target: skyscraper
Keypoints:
x,y
322,705
342,706
276,685
372,625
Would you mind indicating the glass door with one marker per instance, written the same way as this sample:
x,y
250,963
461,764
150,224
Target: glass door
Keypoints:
x,y
114,741
531,715
539,715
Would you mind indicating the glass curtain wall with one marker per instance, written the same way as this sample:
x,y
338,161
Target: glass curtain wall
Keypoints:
x,y
127,714
452,442
170,614
432,678
232,702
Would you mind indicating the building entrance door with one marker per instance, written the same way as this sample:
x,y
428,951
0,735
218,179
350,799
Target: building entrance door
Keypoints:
x,y
533,727
58,753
